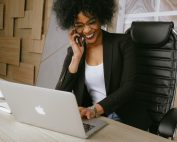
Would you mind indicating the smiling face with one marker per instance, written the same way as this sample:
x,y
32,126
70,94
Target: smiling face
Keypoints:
x,y
89,27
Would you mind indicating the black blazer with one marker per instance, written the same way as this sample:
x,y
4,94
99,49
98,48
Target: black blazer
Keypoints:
x,y
119,74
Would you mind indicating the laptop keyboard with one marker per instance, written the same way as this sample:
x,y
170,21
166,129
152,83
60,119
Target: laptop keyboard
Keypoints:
x,y
88,127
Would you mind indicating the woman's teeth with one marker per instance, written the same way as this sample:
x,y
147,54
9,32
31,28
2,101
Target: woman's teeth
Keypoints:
x,y
90,36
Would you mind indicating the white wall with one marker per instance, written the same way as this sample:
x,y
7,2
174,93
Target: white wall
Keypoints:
x,y
53,55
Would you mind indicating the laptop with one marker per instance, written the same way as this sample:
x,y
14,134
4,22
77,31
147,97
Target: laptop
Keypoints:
x,y
48,108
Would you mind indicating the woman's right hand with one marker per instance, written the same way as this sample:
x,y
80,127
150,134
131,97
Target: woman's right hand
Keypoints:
x,y
78,51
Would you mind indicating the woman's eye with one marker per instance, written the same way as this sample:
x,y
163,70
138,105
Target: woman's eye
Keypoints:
x,y
78,26
92,22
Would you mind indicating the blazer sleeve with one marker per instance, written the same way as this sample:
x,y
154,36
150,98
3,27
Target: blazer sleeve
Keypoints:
x,y
124,93
66,79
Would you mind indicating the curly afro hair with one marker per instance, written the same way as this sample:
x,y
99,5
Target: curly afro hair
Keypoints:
x,y
67,11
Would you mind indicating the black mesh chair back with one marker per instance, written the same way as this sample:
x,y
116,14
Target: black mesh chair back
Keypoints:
x,y
156,56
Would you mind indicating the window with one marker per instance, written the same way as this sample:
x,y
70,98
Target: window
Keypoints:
x,y
145,10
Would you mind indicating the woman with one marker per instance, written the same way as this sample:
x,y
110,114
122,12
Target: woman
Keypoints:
x,y
99,66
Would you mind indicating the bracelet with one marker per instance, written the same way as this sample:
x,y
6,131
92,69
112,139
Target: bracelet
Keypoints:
x,y
93,108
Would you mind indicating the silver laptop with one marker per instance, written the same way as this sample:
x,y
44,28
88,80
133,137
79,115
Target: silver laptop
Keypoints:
x,y
47,108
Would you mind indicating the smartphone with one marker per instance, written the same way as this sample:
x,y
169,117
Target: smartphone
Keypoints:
x,y
80,40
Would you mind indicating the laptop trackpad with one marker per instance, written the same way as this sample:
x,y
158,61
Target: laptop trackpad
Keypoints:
x,y
93,125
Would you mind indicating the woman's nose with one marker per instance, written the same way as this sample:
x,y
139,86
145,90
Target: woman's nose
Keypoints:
x,y
86,29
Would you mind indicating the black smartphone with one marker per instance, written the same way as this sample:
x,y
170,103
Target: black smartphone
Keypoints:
x,y
80,40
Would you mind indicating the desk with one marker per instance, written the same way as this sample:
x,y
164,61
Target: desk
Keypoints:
x,y
13,131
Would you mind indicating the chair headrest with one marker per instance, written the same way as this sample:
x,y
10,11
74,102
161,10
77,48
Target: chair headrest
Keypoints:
x,y
151,32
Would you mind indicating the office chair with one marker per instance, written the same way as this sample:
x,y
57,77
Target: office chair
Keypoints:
x,y
156,56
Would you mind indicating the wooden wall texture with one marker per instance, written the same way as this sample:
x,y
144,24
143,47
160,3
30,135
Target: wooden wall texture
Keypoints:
x,y
23,28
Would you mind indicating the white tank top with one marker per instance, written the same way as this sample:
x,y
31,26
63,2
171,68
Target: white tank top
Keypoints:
x,y
94,80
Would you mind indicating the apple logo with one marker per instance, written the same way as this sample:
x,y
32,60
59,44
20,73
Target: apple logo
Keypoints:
x,y
40,110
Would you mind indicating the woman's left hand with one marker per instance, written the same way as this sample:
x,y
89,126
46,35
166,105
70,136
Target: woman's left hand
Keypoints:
x,y
89,112
86,113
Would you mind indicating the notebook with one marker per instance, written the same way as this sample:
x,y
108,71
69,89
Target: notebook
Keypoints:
x,y
48,108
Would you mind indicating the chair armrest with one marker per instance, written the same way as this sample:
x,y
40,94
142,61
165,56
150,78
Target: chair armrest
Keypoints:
x,y
168,124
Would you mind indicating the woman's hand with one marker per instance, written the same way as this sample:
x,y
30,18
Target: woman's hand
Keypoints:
x,y
78,51
91,113
86,113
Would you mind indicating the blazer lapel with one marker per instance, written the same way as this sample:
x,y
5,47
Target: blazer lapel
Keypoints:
x,y
107,59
